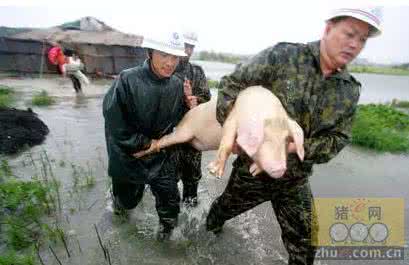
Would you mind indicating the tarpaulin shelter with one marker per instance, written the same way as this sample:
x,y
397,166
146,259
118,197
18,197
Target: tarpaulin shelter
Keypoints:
x,y
100,47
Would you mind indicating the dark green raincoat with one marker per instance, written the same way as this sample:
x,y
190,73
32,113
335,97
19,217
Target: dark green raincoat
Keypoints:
x,y
137,108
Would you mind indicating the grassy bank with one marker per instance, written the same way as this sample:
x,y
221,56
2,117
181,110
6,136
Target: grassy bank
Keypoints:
x,y
6,96
220,57
382,128
378,70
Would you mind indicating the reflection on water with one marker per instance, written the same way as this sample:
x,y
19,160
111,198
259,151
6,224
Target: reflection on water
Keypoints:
x,y
76,139
383,88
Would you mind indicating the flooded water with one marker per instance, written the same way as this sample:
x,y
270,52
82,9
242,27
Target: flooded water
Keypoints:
x,y
76,143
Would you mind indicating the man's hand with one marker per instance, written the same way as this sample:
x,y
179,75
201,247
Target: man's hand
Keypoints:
x,y
154,148
190,100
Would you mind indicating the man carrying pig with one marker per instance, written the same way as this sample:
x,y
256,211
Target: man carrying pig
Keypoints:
x,y
143,104
196,92
314,86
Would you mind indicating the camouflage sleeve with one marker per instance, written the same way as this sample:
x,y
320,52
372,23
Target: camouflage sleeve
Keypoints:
x,y
258,71
326,144
200,86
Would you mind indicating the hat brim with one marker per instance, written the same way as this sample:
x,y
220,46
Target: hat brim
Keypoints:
x,y
194,43
164,48
363,16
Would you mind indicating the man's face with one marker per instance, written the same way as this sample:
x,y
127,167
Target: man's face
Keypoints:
x,y
163,64
344,40
189,50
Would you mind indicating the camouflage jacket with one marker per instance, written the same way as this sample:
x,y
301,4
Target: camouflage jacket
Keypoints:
x,y
197,76
323,106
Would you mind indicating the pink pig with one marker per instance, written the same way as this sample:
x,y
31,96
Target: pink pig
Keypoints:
x,y
257,122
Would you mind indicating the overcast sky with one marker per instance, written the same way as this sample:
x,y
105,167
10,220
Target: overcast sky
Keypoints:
x,y
243,27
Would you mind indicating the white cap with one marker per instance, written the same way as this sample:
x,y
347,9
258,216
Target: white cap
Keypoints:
x,y
190,38
369,15
171,43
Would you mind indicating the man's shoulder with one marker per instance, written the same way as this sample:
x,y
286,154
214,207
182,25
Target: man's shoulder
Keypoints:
x,y
130,71
280,52
290,48
354,80
195,65
197,68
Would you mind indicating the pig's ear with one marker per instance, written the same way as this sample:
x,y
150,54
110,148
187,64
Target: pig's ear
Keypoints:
x,y
297,135
250,135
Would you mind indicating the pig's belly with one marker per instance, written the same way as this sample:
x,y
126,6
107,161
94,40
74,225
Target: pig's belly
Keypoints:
x,y
208,138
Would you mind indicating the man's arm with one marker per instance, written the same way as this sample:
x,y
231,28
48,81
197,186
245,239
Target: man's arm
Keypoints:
x,y
115,114
260,70
326,144
200,87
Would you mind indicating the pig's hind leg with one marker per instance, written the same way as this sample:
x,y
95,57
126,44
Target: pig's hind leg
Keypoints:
x,y
181,134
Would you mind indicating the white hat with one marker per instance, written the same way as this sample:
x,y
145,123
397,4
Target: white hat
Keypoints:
x,y
190,38
370,15
171,43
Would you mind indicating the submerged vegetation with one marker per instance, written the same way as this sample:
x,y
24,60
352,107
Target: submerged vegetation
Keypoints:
x,y
382,128
6,96
24,204
42,99
31,210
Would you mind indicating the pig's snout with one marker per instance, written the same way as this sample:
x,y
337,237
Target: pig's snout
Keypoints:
x,y
276,169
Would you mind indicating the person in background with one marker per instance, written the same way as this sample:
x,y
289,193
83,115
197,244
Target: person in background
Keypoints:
x,y
313,84
143,104
73,67
196,92
56,57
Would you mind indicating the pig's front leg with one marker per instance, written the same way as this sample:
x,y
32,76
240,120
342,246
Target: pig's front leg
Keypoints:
x,y
226,146
180,135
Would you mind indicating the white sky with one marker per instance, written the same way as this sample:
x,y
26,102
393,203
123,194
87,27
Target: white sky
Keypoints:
x,y
243,27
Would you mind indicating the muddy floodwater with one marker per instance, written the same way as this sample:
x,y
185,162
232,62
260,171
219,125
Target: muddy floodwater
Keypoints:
x,y
76,144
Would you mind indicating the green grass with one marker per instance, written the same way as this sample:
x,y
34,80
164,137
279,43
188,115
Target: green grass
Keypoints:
x,y
378,70
382,128
24,203
6,97
31,210
23,206
42,99
12,258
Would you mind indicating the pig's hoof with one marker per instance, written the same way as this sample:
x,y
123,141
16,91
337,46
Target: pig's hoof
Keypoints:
x,y
214,169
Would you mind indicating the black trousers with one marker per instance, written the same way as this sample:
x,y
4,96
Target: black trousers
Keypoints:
x,y
165,191
189,169
76,83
